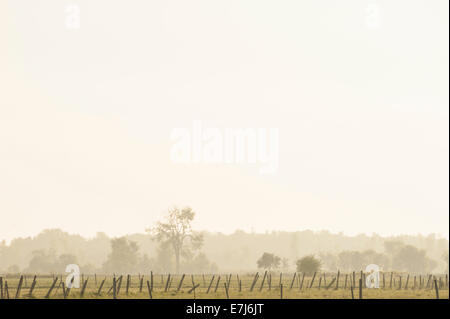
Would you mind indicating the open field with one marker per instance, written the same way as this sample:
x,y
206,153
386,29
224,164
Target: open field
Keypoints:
x,y
234,286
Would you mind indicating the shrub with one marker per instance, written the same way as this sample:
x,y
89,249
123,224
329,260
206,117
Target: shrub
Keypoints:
x,y
308,265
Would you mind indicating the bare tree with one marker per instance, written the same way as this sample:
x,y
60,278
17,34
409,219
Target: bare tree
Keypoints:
x,y
177,232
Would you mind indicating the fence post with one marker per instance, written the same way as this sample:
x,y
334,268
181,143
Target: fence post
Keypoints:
x,y
100,288
360,289
337,280
217,284
210,284
331,283
149,290
390,283
255,279
83,288
263,280
33,284
354,279
167,283
226,290
66,290
269,281
312,280
151,280
361,277
128,284
181,283
345,281
171,281
114,288
119,284
6,289
61,284
19,287
293,279
303,279
436,288
428,282
51,287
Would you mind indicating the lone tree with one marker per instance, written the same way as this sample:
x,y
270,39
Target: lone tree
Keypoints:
x,y
176,231
308,265
268,261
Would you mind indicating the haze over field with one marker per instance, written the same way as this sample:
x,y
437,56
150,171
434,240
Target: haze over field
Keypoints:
x,y
52,250
86,115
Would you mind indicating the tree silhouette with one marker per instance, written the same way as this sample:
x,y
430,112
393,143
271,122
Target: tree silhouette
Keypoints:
x,y
308,264
268,261
123,257
412,259
177,232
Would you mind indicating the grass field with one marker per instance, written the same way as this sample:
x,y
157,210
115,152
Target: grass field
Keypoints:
x,y
243,286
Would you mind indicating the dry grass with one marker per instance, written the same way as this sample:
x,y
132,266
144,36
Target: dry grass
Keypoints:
x,y
43,284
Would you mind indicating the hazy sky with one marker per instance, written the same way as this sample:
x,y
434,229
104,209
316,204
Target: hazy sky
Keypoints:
x,y
362,112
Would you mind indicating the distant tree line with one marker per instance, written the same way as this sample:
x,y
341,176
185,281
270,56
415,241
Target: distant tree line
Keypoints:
x,y
397,256
171,245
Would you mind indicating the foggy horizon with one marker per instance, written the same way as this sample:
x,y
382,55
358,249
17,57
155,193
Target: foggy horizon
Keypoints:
x,y
51,250
248,231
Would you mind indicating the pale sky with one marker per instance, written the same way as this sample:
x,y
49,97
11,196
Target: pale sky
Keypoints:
x,y
362,112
